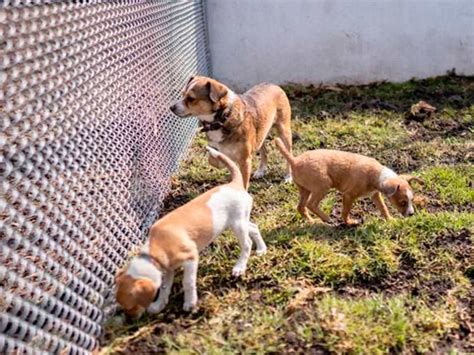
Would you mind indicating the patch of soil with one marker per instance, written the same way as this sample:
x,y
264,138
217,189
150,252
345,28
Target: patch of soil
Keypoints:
x,y
436,126
429,201
297,345
461,339
182,192
326,101
409,277
361,210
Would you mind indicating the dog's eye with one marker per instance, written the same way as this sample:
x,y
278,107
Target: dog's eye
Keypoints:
x,y
191,99
403,203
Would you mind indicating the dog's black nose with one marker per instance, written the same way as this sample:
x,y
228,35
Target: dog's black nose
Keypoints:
x,y
173,108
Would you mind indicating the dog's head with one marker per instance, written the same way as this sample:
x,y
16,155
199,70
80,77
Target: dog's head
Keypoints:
x,y
399,191
134,294
202,97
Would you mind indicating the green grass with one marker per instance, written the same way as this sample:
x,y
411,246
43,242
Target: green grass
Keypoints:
x,y
453,185
402,286
378,324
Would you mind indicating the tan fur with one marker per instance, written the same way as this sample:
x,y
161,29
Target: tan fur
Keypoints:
x,y
174,239
354,175
251,116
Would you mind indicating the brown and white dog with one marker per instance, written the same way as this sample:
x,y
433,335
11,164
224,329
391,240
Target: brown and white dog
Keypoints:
x,y
354,175
176,240
237,125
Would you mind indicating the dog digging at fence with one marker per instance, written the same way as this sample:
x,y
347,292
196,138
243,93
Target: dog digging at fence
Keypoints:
x,y
176,240
354,175
237,125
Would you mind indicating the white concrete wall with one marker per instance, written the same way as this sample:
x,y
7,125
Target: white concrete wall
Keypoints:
x,y
344,41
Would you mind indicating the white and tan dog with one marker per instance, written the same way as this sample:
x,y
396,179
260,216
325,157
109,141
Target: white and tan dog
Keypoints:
x,y
237,125
176,240
316,172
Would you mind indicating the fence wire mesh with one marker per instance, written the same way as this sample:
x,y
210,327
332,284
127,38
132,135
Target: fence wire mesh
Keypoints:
x,y
88,146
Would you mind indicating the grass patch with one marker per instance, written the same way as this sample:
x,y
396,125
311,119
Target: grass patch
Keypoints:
x,y
452,185
403,286
378,325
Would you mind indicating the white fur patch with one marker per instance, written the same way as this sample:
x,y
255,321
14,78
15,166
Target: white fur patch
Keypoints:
x,y
228,206
215,136
145,247
189,284
180,106
231,96
260,173
206,118
212,151
143,268
386,174
180,109
410,209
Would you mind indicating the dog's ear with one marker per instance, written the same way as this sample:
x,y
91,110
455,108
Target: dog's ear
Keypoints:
x,y
390,187
119,273
216,91
143,292
187,84
410,178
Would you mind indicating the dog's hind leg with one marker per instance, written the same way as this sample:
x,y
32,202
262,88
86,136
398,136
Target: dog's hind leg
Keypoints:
x,y
304,196
283,126
347,202
263,162
241,230
254,233
313,204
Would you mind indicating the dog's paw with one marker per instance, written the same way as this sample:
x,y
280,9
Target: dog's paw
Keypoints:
x,y
189,306
261,251
351,222
238,270
155,308
258,174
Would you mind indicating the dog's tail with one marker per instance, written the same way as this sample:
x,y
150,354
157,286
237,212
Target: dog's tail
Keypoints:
x,y
286,154
236,175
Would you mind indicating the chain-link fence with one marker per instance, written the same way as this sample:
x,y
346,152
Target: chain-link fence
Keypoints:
x,y
87,149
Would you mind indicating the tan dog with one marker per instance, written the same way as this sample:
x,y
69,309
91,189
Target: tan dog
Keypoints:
x,y
354,175
176,240
237,125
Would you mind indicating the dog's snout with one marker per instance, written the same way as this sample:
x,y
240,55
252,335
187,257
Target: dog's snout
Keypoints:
x,y
173,108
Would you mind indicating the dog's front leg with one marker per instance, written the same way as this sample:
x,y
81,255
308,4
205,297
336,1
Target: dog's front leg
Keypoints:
x,y
165,290
189,284
377,198
263,162
245,166
241,230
